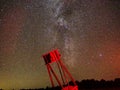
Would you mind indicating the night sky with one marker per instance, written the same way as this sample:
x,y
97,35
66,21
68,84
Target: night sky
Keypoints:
x,y
86,32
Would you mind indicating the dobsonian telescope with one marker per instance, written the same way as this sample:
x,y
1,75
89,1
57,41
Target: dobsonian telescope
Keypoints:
x,y
64,75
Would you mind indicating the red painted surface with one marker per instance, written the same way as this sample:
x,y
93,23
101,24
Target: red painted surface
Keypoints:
x,y
54,56
70,88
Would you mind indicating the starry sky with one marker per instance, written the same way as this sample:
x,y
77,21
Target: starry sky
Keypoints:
x,y
86,32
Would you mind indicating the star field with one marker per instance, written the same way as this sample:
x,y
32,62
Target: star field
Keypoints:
x,y
87,34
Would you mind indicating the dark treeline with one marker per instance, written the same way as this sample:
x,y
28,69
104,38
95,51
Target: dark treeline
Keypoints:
x,y
88,84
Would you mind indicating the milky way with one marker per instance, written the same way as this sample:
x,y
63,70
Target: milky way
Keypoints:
x,y
87,34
